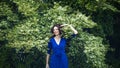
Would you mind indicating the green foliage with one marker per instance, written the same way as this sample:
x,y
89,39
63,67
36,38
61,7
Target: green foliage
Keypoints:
x,y
28,7
20,38
90,50
89,5
25,30
61,14
94,51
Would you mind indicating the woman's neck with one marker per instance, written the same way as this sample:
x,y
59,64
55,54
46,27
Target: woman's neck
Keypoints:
x,y
58,36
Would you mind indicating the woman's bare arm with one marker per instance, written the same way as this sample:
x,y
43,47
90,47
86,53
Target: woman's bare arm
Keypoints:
x,y
71,27
47,60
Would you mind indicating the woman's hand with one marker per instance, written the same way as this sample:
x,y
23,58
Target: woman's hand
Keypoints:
x,y
47,65
73,29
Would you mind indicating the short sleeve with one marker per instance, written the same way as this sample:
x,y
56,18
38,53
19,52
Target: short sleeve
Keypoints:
x,y
72,36
49,48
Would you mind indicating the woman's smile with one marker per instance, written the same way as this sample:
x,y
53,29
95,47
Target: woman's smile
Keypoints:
x,y
56,31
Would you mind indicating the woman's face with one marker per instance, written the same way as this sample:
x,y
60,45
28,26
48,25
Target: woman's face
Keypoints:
x,y
56,31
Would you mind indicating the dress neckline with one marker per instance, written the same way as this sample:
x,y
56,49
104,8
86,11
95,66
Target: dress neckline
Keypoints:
x,y
56,42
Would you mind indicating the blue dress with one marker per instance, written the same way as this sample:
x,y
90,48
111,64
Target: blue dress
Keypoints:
x,y
58,58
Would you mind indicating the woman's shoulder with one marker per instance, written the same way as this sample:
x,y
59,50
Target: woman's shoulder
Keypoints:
x,y
50,39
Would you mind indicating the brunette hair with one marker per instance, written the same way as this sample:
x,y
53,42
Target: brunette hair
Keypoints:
x,y
58,26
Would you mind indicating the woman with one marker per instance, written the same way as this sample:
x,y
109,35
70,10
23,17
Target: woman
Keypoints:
x,y
58,58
